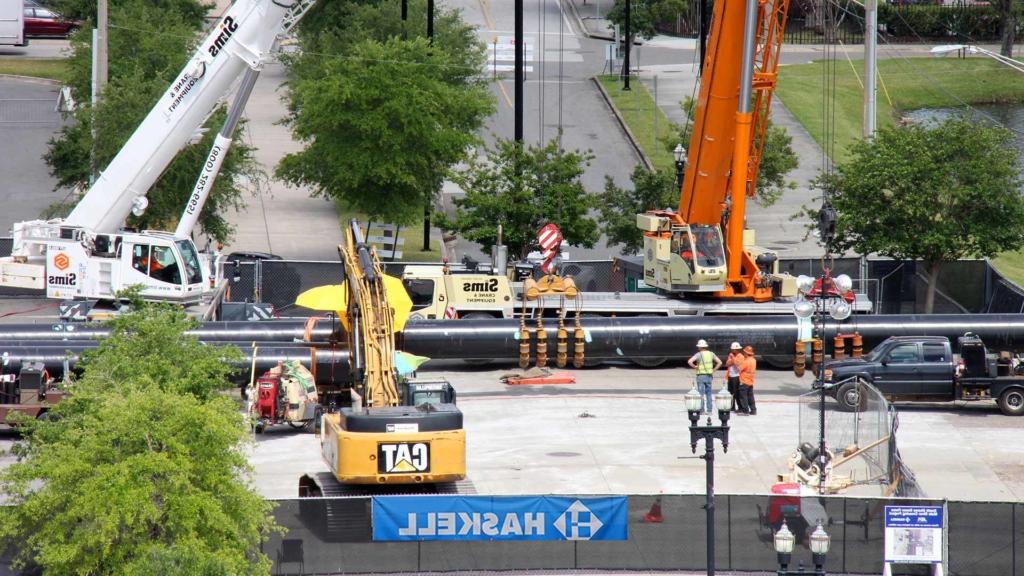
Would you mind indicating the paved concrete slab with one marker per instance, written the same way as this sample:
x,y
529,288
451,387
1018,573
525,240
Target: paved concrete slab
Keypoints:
x,y
624,430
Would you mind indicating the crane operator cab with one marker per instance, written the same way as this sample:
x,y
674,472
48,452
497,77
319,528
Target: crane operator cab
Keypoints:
x,y
682,257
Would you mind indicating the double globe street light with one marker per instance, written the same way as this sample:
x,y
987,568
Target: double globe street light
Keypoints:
x,y
816,297
818,540
709,432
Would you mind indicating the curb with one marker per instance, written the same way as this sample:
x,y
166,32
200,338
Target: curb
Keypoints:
x,y
622,124
583,27
33,79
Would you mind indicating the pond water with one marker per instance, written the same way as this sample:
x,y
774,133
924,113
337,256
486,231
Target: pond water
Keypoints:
x,y
1009,115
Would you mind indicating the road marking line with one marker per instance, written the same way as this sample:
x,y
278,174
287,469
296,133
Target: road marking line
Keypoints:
x,y
501,86
484,7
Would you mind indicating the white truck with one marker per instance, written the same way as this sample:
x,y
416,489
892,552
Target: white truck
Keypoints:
x,y
88,255
12,23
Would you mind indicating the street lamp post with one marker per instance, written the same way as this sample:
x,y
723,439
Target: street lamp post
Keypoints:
x,y
679,153
709,432
819,542
828,295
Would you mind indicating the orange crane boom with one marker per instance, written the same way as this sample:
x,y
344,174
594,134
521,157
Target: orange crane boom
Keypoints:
x,y
684,250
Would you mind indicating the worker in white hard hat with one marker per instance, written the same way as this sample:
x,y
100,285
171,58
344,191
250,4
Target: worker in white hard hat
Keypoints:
x,y
705,362
732,368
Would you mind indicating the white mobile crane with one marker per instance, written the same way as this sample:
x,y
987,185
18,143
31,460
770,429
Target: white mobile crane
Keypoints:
x,y
88,255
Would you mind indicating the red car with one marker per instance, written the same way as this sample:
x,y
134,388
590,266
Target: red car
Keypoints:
x,y
43,22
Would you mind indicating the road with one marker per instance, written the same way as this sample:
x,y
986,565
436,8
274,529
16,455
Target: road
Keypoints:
x,y
28,118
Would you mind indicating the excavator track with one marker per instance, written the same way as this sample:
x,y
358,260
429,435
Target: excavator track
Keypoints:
x,y
329,487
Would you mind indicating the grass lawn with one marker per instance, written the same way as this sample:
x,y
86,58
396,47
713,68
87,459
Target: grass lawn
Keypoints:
x,y
52,68
903,84
638,109
413,236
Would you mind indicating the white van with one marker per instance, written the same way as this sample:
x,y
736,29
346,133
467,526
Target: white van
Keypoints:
x,y
12,23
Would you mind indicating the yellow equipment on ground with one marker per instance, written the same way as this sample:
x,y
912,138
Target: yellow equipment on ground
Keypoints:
x,y
397,431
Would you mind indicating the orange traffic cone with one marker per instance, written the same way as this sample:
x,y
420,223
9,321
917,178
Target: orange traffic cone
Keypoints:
x,y
654,516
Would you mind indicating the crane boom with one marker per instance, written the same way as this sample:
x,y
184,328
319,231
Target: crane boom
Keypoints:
x,y
243,37
685,250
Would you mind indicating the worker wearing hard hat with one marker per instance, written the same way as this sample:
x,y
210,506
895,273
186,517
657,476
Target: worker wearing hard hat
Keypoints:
x,y
732,368
705,362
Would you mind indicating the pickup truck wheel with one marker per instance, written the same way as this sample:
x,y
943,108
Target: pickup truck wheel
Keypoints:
x,y
851,397
1011,402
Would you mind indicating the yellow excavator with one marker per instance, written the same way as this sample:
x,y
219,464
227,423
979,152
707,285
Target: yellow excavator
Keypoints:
x,y
397,431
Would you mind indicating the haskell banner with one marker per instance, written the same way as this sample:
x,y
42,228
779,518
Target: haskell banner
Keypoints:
x,y
498,518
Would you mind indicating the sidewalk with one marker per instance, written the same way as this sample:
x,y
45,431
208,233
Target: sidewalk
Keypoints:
x,y
281,219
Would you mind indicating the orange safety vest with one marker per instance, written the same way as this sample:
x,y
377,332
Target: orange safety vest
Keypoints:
x,y
747,370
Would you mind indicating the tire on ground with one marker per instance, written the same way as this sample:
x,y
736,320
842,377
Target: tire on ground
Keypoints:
x,y
1011,402
851,396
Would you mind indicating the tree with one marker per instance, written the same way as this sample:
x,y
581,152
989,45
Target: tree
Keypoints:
x,y
384,119
646,14
935,193
523,189
619,207
1007,26
777,156
142,66
144,471
382,126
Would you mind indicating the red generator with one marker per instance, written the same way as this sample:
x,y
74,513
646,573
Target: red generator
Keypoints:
x,y
267,409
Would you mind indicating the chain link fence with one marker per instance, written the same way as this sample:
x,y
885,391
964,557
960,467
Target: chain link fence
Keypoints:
x,y
334,536
862,443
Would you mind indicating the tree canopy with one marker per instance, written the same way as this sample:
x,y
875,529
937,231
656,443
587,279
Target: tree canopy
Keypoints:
x,y
148,45
383,118
619,207
144,469
645,15
523,189
935,192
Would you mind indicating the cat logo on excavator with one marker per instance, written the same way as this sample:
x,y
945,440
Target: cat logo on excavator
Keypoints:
x,y
403,457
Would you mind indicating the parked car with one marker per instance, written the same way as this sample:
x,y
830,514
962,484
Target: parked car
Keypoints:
x,y
41,22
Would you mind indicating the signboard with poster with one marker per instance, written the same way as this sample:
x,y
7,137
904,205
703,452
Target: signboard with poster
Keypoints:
x,y
914,535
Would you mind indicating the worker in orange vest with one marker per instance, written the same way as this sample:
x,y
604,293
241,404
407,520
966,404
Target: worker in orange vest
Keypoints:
x,y
748,368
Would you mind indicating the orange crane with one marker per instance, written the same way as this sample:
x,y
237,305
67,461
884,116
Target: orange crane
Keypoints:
x,y
684,251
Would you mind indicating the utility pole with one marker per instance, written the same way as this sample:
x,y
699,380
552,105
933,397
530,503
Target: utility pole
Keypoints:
x,y
101,46
520,77
428,205
870,94
870,57
629,41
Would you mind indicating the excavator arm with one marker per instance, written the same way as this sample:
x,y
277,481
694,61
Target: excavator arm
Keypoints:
x,y
370,322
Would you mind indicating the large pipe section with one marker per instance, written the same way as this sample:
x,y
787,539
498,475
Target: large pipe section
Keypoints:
x,y
329,365
773,337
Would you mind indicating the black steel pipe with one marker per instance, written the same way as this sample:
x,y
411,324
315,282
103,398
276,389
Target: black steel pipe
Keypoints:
x,y
328,365
266,331
773,337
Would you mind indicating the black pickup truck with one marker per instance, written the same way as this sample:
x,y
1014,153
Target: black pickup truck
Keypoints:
x,y
923,368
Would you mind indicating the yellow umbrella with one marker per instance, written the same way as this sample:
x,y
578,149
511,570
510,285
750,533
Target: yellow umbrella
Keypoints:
x,y
334,297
